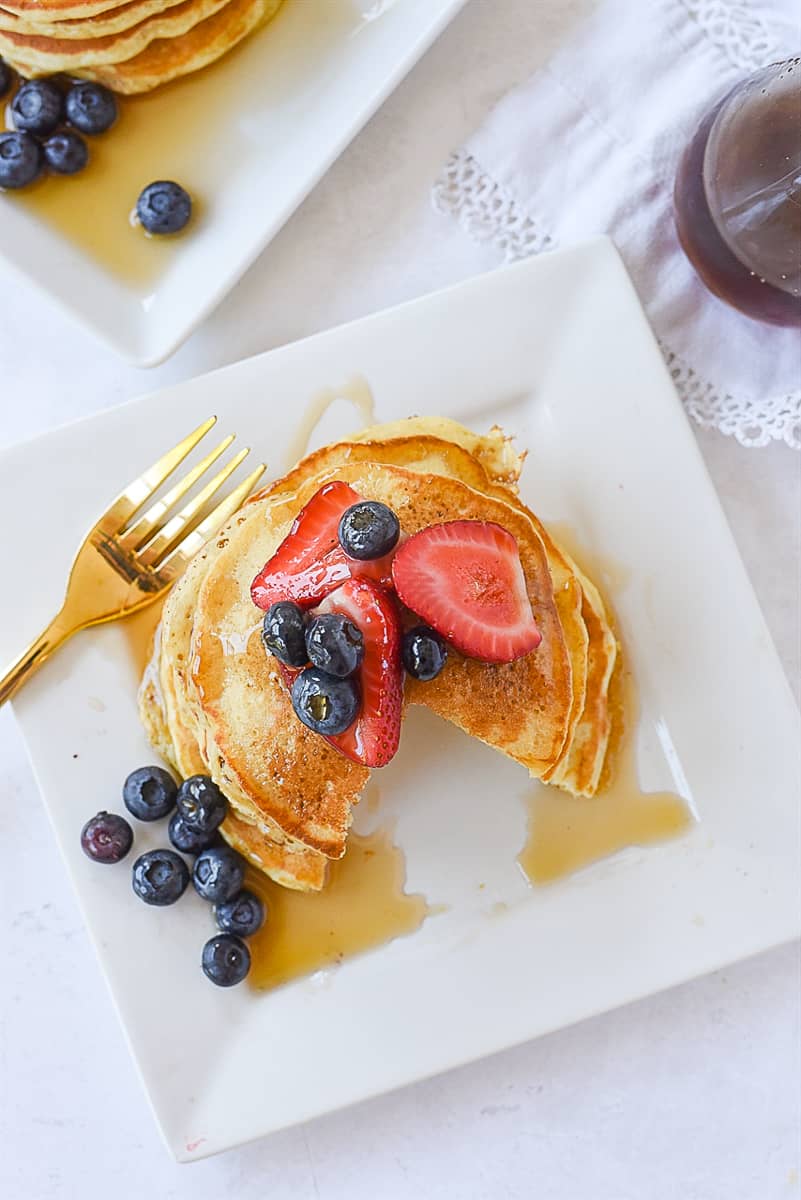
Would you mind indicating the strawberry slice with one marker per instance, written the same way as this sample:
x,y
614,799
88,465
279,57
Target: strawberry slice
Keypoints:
x,y
373,737
465,579
310,562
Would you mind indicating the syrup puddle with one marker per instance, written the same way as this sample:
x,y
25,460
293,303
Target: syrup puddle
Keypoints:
x,y
362,906
566,833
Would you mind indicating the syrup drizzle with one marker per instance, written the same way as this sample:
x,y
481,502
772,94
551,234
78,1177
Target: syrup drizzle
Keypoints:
x,y
356,391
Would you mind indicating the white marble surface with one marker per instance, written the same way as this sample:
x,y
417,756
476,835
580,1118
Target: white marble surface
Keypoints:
x,y
691,1094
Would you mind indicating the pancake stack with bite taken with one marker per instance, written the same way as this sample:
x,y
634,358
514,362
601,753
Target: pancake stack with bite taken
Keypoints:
x,y
215,702
130,47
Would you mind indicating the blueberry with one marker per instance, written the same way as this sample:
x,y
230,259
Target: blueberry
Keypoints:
x,y
334,644
66,152
164,207
37,107
6,77
284,633
91,107
368,530
424,653
107,838
149,793
219,873
200,804
243,914
226,959
325,704
187,840
160,877
21,160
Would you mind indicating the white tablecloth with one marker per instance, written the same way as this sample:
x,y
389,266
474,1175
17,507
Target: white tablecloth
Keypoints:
x,y
691,1094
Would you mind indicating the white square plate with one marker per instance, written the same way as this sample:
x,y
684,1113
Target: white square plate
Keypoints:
x,y
249,138
558,351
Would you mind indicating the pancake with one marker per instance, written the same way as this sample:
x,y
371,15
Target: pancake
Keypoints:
x,y
139,59
213,701
291,774
59,10
113,20
579,770
167,59
488,464
48,55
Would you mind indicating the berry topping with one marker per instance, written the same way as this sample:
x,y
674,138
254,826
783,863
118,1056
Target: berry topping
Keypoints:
x,y
368,530
66,152
91,108
107,838
284,633
6,77
310,562
163,207
21,160
334,644
326,704
149,793
243,915
160,877
465,579
200,804
424,653
373,738
226,959
218,874
187,840
37,107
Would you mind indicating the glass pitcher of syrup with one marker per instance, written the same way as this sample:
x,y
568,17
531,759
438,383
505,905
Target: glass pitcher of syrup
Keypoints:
x,y
738,196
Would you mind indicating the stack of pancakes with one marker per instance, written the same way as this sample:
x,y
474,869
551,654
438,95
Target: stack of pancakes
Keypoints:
x,y
213,700
128,45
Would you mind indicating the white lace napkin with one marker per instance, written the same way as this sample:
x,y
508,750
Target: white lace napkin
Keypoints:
x,y
591,144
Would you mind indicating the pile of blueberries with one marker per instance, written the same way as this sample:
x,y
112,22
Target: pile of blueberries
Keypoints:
x,y
40,111
49,120
161,877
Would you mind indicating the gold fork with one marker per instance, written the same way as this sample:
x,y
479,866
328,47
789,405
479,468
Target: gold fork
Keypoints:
x,y
124,565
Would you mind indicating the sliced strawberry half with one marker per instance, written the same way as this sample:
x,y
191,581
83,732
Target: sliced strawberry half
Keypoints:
x,y
310,562
465,579
373,737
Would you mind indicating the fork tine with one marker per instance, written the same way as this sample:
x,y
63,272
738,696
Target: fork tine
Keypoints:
x,y
131,499
150,520
169,534
178,558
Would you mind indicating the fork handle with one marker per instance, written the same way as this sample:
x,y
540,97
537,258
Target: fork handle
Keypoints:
x,y
31,659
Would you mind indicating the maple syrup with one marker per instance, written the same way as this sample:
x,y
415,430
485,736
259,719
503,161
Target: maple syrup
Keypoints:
x,y
362,906
566,833
356,391
737,197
